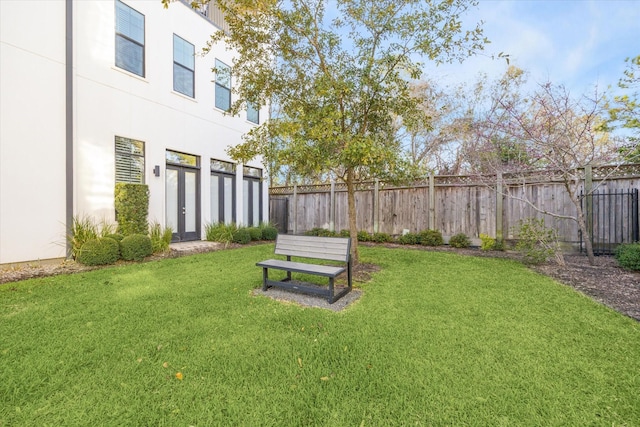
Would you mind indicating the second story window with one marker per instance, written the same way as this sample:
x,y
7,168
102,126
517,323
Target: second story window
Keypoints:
x,y
223,86
129,39
183,66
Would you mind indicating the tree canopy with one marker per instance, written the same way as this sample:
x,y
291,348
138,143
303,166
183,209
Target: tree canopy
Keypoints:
x,y
338,77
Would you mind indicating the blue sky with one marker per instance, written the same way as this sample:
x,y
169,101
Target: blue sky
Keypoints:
x,y
578,43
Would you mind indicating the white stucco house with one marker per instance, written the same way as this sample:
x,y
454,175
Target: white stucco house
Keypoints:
x,y
95,92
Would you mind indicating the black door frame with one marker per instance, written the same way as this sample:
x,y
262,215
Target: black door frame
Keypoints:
x,y
180,235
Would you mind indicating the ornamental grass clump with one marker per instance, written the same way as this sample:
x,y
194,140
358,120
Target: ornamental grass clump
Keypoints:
x,y
136,247
160,237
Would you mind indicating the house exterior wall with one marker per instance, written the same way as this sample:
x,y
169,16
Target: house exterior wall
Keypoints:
x,y
32,130
108,102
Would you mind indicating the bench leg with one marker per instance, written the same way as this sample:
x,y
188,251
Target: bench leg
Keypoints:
x,y
265,276
330,290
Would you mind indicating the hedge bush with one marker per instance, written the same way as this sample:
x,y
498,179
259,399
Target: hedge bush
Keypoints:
x,y
101,251
381,238
255,233
269,233
319,231
241,236
132,208
409,239
431,238
136,247
364,236
628,256
460,241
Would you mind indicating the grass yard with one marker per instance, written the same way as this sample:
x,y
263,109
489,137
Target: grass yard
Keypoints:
x,y
437,339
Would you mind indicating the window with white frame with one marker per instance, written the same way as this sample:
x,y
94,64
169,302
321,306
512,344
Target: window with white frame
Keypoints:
x,y
129,160
253,113
183,66
223,86
129,39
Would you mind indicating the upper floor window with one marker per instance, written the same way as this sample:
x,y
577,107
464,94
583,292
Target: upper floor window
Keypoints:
x,y
129,39
253,113
223,86
129,160
183,66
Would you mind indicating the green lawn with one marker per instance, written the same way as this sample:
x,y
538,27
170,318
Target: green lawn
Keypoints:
x,y
436,339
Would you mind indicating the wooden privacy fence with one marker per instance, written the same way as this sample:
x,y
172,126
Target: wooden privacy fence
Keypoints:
x,y
491,205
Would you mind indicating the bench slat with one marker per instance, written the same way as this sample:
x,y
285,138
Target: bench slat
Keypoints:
x,y
329,248
299,267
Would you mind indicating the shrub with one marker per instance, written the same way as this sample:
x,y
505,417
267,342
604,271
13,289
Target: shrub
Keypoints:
x,y
431,238
345,233
132,208
136,247
220,232
255,233
100,251
538,243
242,236
487,242
319,231
364,236
460,241
115,236
269,232
160,237
628,256
409,239
381,238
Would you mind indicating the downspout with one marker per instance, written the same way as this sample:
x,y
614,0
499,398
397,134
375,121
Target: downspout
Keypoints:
x,y
69,120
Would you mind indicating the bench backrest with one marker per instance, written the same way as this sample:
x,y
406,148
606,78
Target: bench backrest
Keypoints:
x,y
329,248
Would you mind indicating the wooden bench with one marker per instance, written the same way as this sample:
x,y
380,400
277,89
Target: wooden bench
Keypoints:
x,y
323,248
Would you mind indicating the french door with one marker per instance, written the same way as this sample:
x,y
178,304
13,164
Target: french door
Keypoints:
x,y
183,202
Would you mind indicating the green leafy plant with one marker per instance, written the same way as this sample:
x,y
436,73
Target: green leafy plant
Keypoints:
x,y
538,243
255,233
628,256
409,239
319,231
241,236
220,232
460,241
269,232
160,237
381,238
136,247
431,238
132,208
487,243
364,236
99,251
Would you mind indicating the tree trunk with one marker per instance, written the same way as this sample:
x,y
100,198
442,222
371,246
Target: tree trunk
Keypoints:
x,y
353,226
582,225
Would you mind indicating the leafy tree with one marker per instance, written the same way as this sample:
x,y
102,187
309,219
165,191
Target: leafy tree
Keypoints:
x,y
338,76
624,110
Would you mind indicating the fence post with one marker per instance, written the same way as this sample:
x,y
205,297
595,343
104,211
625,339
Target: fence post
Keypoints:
x,y
432,202
588,188
295,208
499,207
376,206
332,207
